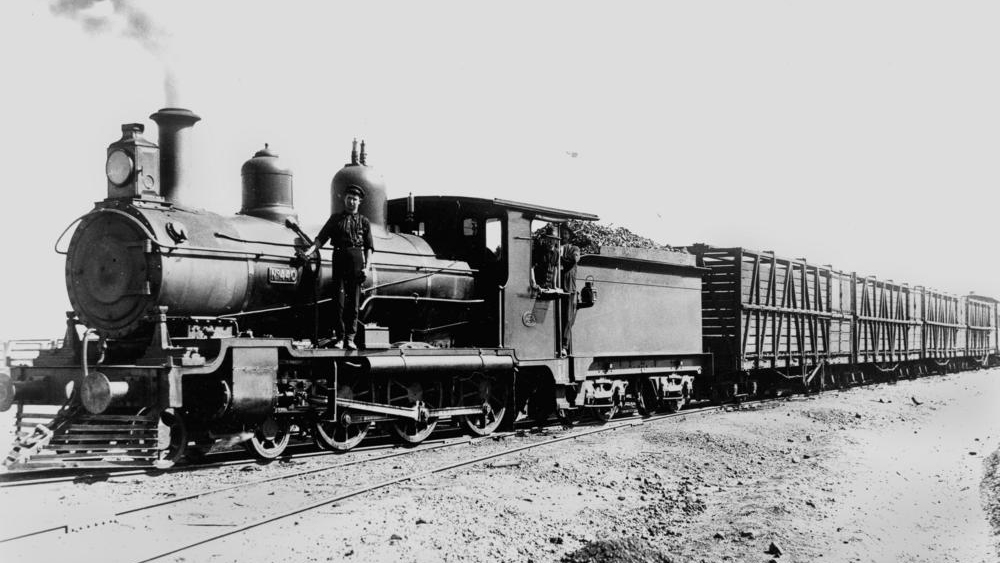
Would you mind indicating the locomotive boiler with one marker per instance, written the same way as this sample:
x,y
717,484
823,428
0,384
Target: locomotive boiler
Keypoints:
x,y
142,248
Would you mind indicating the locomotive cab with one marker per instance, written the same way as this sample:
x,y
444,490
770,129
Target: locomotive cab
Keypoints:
x,y
463,230
494,237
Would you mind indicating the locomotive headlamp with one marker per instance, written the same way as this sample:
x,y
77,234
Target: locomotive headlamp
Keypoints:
x,y
588,295
119,167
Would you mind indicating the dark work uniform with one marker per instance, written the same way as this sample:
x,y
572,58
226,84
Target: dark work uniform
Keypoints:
x,y
544,257
349,235
568,260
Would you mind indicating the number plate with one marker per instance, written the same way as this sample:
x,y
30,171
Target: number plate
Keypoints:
x,y
282,275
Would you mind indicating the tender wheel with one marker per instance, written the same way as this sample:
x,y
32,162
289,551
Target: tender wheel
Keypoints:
x,y
269,439
646,401
492,395
408,394
171,439
606,413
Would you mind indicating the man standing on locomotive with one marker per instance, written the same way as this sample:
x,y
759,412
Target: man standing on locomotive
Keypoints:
x,y
568,259
544,256
350,234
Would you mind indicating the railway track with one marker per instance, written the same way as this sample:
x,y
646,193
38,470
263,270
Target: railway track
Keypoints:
x,y
235,458
208,492
580,430
122,516
572,435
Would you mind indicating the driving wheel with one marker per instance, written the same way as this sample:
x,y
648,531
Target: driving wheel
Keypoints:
x,y
492,395
341,435
407,394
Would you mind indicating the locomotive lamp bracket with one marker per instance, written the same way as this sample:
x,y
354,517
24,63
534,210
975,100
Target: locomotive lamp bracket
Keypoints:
x,y
177,231
546,294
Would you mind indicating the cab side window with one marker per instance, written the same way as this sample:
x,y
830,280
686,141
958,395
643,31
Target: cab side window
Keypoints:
x,y
544,255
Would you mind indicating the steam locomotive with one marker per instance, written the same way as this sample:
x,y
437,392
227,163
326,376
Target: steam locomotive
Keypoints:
x,y
191,328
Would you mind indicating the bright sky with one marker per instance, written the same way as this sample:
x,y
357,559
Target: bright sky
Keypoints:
x,y
860,134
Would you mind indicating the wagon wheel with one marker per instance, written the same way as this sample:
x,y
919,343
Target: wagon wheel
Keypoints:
x,y
269,439
171,439
407,394
671,406
646,401
492,394
604,414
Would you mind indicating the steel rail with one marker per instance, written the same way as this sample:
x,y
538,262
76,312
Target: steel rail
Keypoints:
x,y
286,476
13,479
630,422
419,474
109,472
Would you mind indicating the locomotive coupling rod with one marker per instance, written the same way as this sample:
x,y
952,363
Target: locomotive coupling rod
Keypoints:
x,y
417,412
413,413
448,412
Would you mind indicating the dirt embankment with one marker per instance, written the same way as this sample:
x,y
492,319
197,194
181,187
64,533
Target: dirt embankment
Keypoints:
x,y
990,489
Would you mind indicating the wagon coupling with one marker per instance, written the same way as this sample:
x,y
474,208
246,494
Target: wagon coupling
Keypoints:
x,y
18,390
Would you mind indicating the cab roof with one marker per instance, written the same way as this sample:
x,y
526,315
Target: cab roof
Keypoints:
x,y
535,211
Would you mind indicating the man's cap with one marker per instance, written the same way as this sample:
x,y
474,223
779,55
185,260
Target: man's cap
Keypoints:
x,y
568,230
355,189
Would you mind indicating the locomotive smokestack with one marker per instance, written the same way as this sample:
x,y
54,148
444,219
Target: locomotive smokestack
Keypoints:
x,y
174,125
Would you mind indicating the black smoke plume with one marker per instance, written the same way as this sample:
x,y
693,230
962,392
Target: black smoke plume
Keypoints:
x,y
125,18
